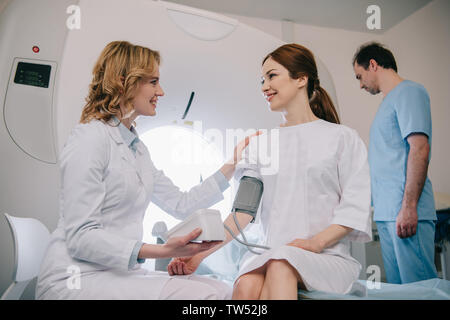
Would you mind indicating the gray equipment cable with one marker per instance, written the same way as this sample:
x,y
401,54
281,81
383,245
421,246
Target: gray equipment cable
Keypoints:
x,y
248,245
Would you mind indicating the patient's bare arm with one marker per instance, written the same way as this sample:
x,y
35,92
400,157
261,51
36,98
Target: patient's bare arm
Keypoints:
x,y
323,239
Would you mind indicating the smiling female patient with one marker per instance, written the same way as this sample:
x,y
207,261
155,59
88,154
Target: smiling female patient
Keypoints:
x,y
317,201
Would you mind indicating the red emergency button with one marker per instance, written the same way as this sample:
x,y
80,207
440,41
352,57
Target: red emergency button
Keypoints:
x,y
36,49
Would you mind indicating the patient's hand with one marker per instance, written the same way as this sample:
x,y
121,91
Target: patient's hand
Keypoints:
x,y
307,244
183,266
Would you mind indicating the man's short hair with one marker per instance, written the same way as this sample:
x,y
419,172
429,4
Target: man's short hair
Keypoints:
x,y
376,51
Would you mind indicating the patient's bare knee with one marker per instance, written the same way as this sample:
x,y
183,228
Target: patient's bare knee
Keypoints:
x,y
246,288
281,269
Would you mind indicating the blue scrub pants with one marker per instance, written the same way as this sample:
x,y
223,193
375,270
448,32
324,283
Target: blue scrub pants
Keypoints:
x,y
408,259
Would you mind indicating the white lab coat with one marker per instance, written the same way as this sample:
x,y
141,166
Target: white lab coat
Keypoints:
x,y
319,177
105,191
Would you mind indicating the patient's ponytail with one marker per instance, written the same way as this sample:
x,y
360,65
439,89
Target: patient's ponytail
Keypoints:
x,y
322,105
299,61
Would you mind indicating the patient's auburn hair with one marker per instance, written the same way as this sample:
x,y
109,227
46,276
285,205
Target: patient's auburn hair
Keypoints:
x,y
116,76
300,61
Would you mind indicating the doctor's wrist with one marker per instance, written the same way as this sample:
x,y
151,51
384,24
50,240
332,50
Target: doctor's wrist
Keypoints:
x,y
228,170
153,251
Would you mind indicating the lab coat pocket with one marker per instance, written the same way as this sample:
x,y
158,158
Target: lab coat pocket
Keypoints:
x,y
115,188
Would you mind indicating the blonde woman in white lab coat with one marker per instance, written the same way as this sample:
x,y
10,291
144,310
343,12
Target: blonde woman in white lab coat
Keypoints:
x,y
318,200
107,182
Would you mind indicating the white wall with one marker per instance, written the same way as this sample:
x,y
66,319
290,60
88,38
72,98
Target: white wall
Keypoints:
x,y
3,4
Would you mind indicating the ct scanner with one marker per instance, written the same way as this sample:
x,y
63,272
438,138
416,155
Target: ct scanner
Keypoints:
x,y
45,70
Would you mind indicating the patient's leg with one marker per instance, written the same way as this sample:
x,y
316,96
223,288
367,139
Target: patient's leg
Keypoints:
x,y
281,281
249,285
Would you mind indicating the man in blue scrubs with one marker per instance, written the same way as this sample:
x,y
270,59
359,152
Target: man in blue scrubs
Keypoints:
x,y
399,153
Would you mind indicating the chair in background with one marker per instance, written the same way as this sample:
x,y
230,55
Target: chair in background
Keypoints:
x,y
442,240
31,239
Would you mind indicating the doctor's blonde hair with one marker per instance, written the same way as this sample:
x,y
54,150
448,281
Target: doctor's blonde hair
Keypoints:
x,y
116,77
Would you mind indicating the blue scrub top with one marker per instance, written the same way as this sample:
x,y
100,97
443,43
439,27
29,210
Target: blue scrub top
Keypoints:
x,y
404,110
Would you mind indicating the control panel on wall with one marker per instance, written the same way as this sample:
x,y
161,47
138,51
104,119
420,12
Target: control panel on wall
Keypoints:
x,y
28,108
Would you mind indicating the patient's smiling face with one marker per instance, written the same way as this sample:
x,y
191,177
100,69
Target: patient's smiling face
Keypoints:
x,y
278,87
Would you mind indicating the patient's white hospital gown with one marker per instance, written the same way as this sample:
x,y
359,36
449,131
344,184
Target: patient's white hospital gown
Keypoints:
x,y
320,177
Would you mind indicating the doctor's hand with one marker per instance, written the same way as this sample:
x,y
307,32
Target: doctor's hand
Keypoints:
x,y
242,145
229,167
182,247
307,244
406,222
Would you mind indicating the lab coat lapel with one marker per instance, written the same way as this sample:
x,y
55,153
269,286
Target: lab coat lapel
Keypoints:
x,y
125,152
143,160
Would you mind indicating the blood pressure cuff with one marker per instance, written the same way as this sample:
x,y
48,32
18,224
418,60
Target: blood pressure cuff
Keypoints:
x,y
248,196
